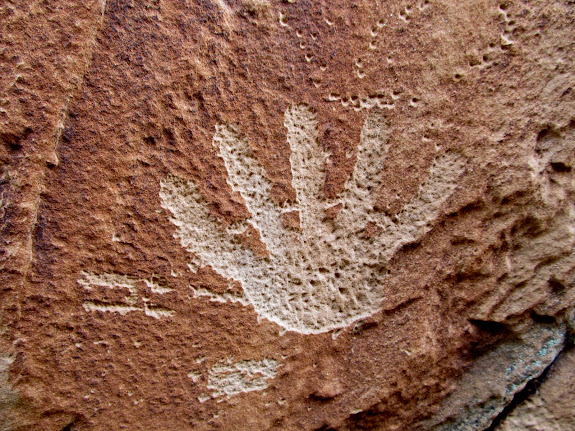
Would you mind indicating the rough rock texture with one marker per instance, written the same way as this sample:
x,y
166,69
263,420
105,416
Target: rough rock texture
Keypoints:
x,y
265,214
551,406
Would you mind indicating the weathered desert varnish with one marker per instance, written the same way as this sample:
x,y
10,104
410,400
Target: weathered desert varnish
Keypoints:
x,y
265,214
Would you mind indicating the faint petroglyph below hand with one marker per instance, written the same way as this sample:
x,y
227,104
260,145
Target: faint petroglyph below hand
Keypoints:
x,y
329,270
229,378
131,299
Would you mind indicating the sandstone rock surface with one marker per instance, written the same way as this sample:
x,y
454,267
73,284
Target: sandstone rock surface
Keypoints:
x,y
265,214
551,406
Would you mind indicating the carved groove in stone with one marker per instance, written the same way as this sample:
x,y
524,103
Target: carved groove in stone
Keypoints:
x,y
131,302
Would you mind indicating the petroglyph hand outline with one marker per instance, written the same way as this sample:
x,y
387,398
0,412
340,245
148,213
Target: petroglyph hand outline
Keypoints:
x,y
327,274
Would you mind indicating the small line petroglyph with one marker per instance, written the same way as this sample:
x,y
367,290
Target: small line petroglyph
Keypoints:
x,y
221,297
110,307
131,301
326,273
156,287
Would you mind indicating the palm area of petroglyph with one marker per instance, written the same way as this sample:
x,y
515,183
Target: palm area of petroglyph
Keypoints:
x,y
328,269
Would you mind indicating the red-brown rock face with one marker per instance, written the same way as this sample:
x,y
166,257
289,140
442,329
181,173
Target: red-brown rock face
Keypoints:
x,y
265,214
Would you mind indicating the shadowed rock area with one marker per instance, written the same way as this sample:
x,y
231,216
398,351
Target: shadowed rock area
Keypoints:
x,y
286,215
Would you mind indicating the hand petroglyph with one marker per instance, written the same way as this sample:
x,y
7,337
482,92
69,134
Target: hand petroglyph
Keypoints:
x,y
326,273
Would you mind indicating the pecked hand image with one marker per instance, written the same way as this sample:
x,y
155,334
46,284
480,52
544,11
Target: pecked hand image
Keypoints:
x,y
313,215
323,273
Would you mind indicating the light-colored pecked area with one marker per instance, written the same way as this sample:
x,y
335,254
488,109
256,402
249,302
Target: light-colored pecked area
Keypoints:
x,y
328,273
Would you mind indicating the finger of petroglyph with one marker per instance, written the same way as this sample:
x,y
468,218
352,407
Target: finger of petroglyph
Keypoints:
x,y
415,218
372,151
122,309
156,287
156,311
247,176
221,297
200,232
366,180
109,280
307,163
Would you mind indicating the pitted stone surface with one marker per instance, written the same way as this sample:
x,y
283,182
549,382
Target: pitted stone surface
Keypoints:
x,y
551,406
320,276
261,214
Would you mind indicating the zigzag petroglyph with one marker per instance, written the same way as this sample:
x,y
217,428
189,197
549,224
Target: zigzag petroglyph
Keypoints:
x,y
327,274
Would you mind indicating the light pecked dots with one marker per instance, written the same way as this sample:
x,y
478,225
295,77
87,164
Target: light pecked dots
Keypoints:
x,y
374,33
489,55
306,41
357,103
506,41
328,271
359,68
405,14
423,5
